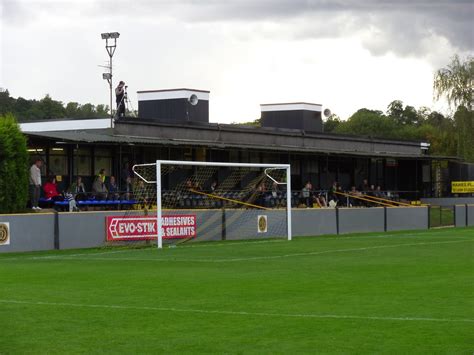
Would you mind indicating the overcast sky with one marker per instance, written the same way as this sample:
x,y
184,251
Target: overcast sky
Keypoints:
x,y
343,54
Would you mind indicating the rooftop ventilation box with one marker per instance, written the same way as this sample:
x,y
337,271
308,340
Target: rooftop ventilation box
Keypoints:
x,y
299,115
174,106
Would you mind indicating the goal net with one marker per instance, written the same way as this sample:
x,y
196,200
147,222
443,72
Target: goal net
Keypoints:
x,y
183,202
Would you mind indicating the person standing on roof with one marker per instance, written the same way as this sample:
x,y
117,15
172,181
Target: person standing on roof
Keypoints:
x,y
120,97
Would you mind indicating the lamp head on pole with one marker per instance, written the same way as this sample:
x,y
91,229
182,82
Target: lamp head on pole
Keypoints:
x,y
108,35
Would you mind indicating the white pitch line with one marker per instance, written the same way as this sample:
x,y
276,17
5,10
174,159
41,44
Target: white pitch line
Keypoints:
x,y
345,250
80,254
236,243
238,313
267,257
232,243
61,257
321,238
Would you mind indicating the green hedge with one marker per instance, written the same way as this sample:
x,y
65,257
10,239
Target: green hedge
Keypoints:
x,y
13,166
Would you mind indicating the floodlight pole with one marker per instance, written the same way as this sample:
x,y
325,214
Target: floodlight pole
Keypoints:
x,y
110,51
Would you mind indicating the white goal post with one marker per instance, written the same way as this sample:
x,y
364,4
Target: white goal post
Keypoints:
x,y
269,168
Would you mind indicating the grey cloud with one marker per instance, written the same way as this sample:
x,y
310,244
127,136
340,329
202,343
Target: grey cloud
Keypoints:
x,y
412,29
403,27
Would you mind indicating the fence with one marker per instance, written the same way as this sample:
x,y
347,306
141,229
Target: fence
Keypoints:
x,y
48,231
441,216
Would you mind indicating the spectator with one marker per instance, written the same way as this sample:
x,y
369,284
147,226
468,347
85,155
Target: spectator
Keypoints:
x,y
113,189
260,194
354,201
379,193
371,190
68,196
214,186
142,195
50,190
99,189
102,175
126,172
128,188
306,193
320,200
35,183
275,190
189,184
364,188
78,189
332,196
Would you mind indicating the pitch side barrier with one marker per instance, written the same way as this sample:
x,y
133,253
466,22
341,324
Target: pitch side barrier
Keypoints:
x,y
469,215
49,231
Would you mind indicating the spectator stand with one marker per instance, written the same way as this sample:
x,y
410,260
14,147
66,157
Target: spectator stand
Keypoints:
x,y
369,200
198,200
91,202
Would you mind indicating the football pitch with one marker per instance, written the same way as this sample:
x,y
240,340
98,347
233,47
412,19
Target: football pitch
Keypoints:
x,y
398,292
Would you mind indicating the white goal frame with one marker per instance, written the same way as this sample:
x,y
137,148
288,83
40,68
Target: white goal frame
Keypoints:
x,y
159,163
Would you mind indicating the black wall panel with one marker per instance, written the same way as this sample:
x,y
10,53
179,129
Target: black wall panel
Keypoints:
x,y
309,121
174,110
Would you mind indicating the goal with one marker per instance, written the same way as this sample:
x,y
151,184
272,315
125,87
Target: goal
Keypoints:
x,y
206,201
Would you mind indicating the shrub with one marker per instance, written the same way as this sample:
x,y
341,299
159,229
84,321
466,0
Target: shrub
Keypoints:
x,y
13,166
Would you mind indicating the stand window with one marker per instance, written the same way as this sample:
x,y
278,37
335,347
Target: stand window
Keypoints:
x,y
103,160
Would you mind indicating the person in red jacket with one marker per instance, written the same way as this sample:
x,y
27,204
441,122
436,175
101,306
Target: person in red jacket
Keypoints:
x,y
50,190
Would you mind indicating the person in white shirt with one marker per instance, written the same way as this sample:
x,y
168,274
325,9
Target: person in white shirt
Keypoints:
x,y
35,183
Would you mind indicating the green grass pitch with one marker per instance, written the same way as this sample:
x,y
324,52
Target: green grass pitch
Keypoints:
x,y
403,292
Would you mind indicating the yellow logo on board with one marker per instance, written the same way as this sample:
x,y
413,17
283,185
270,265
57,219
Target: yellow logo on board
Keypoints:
x,y
262,224
462,187
4,234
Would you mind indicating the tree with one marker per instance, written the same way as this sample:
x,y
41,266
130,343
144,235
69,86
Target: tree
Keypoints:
x,y
403,115
443,141
464,123
455,82
436,119
410,116
87,110
367,122
50,108
331,123
47,108
255,123
102,111
22,107
71,110
13,166
395,109
6,102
